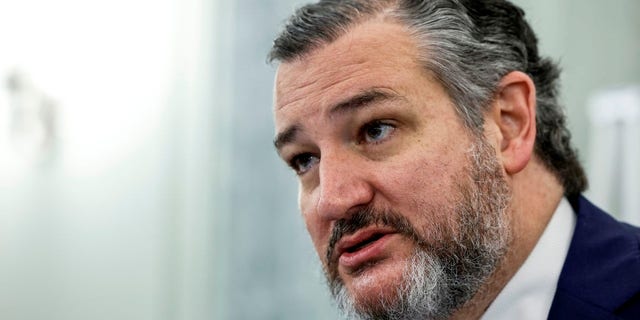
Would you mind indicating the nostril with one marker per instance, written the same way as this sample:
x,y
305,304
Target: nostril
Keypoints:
x,y
340,188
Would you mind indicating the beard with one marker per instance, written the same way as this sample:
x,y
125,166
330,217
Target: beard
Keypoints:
x,y
446,270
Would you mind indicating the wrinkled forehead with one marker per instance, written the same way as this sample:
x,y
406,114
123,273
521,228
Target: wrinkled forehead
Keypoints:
x,y
370,54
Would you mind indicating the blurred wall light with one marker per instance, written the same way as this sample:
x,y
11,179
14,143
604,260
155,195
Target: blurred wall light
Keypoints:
x,y
32,120
28,130
615,151
107,72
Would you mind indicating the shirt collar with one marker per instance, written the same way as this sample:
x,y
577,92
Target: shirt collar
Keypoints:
x,y
529,294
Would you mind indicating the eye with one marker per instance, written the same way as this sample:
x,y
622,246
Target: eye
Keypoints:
x,y
303,162
375,132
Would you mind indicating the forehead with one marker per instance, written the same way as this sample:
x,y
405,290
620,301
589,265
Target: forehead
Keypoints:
x,y
372,54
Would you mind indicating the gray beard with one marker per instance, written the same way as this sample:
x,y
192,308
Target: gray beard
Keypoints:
x,y
445,273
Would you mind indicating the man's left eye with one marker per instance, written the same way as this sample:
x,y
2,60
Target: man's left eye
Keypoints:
x,y
376,131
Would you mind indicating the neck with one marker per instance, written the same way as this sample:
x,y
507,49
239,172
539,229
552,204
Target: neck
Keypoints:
x,y
536,194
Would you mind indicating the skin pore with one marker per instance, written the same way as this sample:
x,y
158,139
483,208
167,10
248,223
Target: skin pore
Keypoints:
x,y
367,128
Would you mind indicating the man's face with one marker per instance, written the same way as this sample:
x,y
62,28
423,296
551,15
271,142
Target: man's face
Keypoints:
x,y
389,177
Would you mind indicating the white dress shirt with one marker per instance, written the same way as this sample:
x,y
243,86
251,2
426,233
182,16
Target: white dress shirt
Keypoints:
x,y
529,294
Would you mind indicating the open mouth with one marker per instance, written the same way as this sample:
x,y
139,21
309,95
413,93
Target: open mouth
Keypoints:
x,y
363,248
358,246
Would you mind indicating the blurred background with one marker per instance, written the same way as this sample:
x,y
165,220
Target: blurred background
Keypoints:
x,y
137,175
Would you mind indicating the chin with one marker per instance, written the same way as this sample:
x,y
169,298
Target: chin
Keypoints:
x,y
375,285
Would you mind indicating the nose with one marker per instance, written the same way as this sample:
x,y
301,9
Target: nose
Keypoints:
x,y
344,184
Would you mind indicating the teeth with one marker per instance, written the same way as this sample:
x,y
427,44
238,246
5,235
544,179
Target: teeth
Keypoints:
x,y
364,243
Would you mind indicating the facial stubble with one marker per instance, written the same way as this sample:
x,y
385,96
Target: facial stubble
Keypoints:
x,y
447,268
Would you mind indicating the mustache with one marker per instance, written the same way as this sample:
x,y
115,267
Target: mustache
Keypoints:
x,y
365,217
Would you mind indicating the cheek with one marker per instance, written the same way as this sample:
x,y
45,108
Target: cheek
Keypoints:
x,y
421,179
423,190
428,167
318,229
319,236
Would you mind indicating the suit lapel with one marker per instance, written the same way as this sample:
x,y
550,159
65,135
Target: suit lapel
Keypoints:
x,y
602,269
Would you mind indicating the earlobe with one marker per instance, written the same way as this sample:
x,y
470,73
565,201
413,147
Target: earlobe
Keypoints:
x,y
514,112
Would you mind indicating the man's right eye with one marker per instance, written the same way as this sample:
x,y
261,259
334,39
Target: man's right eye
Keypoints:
x,y
303,162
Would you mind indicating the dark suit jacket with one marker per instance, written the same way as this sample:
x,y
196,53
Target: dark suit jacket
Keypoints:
x,y
600,278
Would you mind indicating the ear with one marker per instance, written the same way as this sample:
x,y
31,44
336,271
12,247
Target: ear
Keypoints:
x,y
514,113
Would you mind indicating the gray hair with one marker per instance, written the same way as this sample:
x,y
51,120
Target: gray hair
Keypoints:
x,y
468,45
447,268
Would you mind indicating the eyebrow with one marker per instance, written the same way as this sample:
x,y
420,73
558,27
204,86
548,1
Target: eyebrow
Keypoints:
x,y
285,137
359,101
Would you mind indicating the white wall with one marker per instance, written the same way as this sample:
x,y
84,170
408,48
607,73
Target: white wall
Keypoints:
x,y
113,217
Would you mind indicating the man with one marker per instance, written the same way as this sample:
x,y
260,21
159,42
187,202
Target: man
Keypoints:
x,y
437,178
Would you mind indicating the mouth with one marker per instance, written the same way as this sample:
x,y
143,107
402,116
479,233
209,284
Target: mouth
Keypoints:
x,y
364,243
364,247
